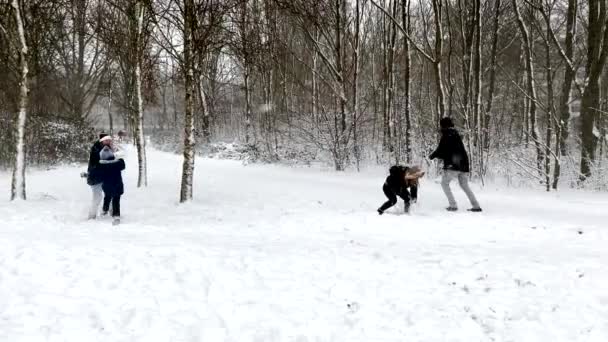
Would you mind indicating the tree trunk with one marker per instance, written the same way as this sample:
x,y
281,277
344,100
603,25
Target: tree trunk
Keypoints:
x,y
569,76
525,36
438,12
189,142
562,131
140,142
589,132
342,139
18,179
405,12
550,106
488,112
205,122
174,97
356,84
597,51
389,84
477,89
247,105
314,86
110,118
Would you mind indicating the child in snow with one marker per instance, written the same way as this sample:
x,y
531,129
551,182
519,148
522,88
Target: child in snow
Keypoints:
x,y
110,170
402,181
455,164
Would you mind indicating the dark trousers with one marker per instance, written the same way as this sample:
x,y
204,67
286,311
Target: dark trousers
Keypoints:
x,y
115,205
404,194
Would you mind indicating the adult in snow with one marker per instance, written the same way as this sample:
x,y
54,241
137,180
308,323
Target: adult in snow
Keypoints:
x,y
93,176
402,181
455,164
110,170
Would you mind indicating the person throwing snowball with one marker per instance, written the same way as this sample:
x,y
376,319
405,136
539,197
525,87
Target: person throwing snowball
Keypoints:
x,y
455,164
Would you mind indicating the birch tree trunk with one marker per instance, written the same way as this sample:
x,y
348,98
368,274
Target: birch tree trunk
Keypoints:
x,y
18,181
569,76
204,108
550,112
142,177
189,142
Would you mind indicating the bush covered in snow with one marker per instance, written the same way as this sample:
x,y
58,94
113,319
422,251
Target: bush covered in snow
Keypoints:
x,y
49,142
299,154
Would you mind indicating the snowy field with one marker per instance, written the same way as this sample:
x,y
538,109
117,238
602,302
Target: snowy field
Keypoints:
x,y
269,253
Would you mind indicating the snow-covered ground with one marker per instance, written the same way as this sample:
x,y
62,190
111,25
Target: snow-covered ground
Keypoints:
x,y
269,253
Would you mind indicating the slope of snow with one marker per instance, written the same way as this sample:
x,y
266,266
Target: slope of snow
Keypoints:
x,y
267,253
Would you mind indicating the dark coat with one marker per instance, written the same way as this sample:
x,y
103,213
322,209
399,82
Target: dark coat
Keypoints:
x,y
93,176
396,178
452,151
111,177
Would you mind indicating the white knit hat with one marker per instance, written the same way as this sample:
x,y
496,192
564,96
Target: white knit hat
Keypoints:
x,y
106,154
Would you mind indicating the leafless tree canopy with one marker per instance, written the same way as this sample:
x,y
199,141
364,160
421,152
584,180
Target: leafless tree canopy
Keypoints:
x,y
355,82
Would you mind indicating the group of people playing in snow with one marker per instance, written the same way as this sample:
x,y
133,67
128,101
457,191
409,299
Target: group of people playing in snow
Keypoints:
x,y
403,180
104,176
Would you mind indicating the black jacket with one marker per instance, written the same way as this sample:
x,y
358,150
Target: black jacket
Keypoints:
x,y
451,150
93,176
396,178
111,177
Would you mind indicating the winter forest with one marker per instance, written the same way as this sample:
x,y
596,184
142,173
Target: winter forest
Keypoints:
x,y
252,142
346,82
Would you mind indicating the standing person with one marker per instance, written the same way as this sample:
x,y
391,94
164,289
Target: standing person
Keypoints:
x,y
397,184
111,176
455,164
93,176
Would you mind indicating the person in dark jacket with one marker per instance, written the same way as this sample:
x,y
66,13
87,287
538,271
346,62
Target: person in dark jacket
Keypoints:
x,y
395,185
455,159
92,174
110,170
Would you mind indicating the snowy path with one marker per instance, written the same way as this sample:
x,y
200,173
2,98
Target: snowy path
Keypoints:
x,y
268,253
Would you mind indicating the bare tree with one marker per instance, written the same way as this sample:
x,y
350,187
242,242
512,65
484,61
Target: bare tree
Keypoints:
x,y
492,85
405,13
128,47
597,51
80,56
530,82
15,35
